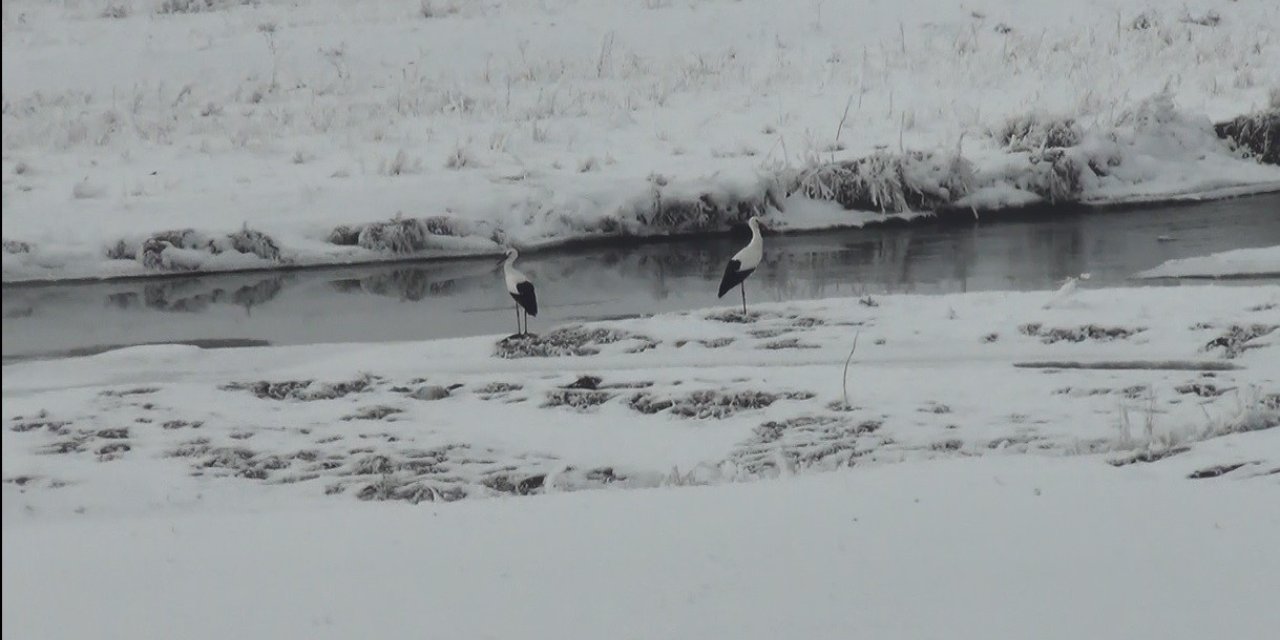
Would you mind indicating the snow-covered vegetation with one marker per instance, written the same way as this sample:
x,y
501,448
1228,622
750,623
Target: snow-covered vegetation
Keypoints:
x,y
143,136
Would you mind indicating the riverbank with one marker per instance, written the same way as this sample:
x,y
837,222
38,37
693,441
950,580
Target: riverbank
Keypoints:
x,y
260,136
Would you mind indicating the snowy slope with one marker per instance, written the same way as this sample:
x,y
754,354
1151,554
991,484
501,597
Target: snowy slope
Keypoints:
x,y
1263,261
538,122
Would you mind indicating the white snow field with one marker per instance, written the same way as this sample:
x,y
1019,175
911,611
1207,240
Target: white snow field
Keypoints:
x,y
1003,549
147,136
281,492
1262,261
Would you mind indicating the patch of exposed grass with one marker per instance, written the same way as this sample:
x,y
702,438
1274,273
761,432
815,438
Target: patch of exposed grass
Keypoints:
x,y
1150,455
164,251
227,457
580,399
1215,471
1257,135
120,393
495,388
376,412
303,389
803,442
575,340
710,403
408,235
1038,132
1235,339
889,182
1078,334
1202,389
771,332
735,317
16,246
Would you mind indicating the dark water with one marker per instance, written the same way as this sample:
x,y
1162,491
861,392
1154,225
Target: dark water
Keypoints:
x,y
464,298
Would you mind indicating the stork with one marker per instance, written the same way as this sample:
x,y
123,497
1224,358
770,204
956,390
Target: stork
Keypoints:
x,y
521,290
743,263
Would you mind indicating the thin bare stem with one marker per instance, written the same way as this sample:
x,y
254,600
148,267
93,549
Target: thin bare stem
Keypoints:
x,y
844,378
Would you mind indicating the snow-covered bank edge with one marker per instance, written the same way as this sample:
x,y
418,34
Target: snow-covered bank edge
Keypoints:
x,y
249,264
1045,166
1262,262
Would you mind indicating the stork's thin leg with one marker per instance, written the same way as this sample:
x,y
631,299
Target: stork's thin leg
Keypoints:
x,y
525,330
517,318
744,298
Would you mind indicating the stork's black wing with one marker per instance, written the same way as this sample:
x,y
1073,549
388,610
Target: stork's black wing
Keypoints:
x,y
732,277
525,297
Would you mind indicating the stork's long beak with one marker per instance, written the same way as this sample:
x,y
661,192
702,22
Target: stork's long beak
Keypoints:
x,y
500,261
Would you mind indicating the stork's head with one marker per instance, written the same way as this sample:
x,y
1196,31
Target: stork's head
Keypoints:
x,y
509,255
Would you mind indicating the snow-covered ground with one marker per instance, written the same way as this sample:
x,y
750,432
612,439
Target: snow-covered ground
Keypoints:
x,y
1263,261
160,490
699,397
985,549
145,135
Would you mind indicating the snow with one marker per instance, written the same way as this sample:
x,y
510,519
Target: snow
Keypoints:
x,y
1052,548
1262,261
536,123
157,488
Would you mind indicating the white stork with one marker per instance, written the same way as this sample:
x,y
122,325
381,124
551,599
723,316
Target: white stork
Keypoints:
x,y
521,291
743,263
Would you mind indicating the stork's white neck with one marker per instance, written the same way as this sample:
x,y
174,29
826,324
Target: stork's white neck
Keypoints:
x,y
756,240
751,254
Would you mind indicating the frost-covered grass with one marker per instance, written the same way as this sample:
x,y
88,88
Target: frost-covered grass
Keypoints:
x,y
539,122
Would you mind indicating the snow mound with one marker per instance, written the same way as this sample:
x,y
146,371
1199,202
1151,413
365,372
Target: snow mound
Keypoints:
x,y
1262,261
414,235
191,250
